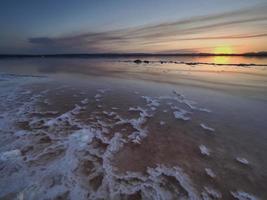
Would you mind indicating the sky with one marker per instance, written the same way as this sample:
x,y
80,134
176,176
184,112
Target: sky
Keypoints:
x,y
132,26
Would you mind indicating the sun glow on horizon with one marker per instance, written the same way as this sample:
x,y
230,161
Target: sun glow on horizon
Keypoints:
x,y
223,50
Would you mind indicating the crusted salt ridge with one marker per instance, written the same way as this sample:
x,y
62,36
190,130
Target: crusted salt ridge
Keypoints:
x,y
75,146
137,124
100,94
152,103
103,90
210,193
240,195
210,173
84,135
162,123
116,187
181,115
67,116
85,101
204,150
10,155
97,96
205,127
14,113
150,185
242,160
38,188
191,104
45,112
180,98
11,92
79,142
109,114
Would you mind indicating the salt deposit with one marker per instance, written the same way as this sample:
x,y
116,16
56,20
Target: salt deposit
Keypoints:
x,y
242,160
204,150
204,126
240,195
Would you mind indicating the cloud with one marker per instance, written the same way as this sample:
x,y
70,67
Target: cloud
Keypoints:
x,y
154,37
227,37
41,40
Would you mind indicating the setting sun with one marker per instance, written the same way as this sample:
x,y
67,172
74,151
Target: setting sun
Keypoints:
x,y
223,50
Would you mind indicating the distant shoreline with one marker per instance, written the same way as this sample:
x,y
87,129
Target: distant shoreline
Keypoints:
x,y
117,55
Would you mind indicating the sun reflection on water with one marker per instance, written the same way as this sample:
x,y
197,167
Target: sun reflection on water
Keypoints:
x,y
221,59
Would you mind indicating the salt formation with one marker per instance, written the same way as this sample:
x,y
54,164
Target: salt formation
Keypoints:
x,y
85,101
242,160
162,123
204,126
210,173
204,150
9,155
211,193
240,195
69,154
181,115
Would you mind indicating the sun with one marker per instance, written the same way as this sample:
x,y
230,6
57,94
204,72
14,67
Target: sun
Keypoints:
x,y
223,50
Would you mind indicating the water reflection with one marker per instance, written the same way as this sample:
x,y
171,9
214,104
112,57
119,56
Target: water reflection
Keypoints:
x,y
221,59
204,66
231,60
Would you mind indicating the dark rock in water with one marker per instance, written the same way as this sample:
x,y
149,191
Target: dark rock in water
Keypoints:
x,y
138,61
191,63
146,61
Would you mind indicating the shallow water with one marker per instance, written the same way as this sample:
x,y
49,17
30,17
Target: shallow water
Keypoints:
x,y
113,129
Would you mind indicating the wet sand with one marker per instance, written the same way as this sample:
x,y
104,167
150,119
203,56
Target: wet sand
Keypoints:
x,y
115,130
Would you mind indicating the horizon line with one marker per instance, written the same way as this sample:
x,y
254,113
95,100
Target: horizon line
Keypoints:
x,y
254,54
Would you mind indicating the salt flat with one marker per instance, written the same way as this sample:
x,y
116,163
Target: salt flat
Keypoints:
x,y
94,129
